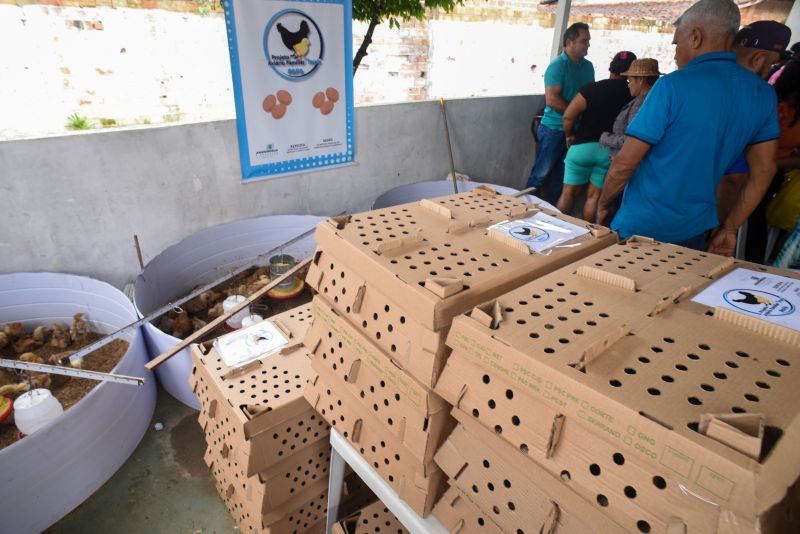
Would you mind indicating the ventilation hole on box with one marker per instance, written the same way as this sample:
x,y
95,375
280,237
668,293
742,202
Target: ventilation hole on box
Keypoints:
x,y
619,459
515,420
511,506
693,356
654,391
719,375
565,475
643,525
630,370
498,429
481,521
741,354
706,387
737,409
496,510
772,373
474,488
782,362
523,448
751,397
693,426
475,413
732,365
630,492
762,385
492,404
644,359
486,379
602,500
594,469
549,350
615,383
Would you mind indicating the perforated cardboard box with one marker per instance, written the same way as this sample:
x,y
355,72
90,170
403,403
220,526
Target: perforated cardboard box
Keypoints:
x,y
696,396
518,496
416,416
271,489
416,482
402,273
459,515
259,407
372,519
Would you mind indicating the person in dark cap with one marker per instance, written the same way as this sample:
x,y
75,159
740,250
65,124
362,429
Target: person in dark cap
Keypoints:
x,y
762,44
597,104
758,46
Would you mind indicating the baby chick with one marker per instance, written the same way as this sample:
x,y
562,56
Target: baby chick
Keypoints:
x,y
215,311
182,326
39,334
30,358
78,330
197,324
3,340
60,337
24,344
13,330
166,323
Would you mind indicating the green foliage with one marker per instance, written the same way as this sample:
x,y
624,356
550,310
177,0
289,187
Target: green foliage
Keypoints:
x,y
76,122
377,11
396,11
108,122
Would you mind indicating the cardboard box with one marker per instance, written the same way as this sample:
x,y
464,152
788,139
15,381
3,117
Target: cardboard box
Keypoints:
x,y
416,416
402,273
418,483
517,496
270,489
292,429
459,515
373,518
631,359
260,403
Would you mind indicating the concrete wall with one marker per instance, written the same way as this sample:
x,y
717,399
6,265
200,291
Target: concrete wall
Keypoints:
x,y
73,203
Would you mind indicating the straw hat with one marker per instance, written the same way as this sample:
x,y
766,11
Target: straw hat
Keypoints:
x,y
645,67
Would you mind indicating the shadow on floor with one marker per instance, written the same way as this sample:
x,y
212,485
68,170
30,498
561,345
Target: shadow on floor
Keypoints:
x,y
163,487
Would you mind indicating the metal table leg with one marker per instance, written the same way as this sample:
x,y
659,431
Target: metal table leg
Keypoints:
x,y
335,483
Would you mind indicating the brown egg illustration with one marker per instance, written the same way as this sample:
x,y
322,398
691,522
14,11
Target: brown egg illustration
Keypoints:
x,y
284,97
326,107
318,99
278,111
332,94
268,103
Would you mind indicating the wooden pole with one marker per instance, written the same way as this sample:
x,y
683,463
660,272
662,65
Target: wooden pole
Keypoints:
x,y
138,251
161,358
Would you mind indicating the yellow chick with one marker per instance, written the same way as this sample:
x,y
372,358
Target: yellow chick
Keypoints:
x,y
301,48
39,334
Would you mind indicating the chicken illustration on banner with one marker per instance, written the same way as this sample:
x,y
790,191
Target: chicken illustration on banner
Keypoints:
x,y
292,67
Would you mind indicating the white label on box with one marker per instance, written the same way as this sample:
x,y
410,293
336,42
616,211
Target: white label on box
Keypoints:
x,y
770,297
256,341
540,232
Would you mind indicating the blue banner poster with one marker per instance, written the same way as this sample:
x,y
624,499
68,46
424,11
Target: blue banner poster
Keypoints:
x,y
292,67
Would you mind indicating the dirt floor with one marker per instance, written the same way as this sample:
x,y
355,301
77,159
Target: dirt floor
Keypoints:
x,y
66,389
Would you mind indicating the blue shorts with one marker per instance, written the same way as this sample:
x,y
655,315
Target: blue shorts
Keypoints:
x,y
586,162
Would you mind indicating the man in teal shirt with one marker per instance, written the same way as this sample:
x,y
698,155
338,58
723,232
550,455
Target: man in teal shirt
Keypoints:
x,y
693,125
565,75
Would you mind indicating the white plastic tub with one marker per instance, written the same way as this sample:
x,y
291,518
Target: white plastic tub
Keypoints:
x,y
202,258
438,188
47,474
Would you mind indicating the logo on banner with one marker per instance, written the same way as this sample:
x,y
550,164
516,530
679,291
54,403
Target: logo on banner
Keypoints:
x,y
758,302
529,233
293,44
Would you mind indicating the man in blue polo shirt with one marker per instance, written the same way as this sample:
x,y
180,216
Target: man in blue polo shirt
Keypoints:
x,y
565,75
693,125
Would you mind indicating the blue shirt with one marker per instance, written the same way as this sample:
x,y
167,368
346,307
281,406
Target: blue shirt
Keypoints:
x,y
563,72
698,119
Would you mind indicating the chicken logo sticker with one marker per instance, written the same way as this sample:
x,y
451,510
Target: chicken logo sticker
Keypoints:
x,y
528,232
758,302
293,45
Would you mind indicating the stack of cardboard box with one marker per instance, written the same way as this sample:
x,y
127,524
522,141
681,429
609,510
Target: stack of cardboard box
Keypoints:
x,y
389,283
268,450
645,388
